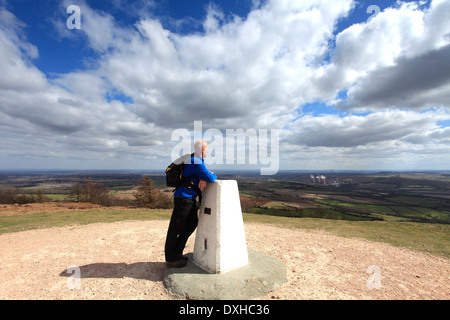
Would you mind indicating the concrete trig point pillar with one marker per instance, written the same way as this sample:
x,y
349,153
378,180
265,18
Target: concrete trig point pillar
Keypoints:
x,y
221,266
220,244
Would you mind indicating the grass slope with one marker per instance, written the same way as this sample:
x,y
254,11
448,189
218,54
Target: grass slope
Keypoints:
x,y
429,238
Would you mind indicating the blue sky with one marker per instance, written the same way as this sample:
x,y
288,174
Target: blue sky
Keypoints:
x,y
348,88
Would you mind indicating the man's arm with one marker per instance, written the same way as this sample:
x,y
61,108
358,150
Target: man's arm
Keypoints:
x,y
206,175
202,172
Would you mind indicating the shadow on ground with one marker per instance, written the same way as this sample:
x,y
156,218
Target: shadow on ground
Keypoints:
x,y
152,271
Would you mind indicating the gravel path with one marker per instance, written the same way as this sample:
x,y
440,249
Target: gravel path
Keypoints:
x,y
125,260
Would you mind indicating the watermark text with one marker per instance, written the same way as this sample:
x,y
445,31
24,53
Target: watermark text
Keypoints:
x,y
261,146
74,21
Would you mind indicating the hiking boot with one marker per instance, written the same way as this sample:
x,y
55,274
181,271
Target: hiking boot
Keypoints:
x,y
176,264
185,258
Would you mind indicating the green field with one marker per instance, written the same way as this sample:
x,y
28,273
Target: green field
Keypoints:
x,y
429,238
405,209
17,223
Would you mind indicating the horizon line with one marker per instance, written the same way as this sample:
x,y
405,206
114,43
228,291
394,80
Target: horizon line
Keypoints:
x,y
162,170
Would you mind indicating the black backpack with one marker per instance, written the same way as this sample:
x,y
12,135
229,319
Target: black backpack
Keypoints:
x,y
174,176
174,172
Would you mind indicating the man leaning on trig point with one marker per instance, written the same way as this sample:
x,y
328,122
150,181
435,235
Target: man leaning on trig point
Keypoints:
x,y
184,218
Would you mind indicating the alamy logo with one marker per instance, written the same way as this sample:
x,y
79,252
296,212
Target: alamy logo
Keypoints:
x,y
74,21
374,281
74,281
374,10
233,146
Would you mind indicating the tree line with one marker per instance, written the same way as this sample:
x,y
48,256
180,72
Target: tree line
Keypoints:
x,y
16,195
86,190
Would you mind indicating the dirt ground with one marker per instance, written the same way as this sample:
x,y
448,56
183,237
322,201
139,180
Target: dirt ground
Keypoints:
x,y
125,260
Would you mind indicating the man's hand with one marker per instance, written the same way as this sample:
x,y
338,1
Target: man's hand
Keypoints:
x,y
202,184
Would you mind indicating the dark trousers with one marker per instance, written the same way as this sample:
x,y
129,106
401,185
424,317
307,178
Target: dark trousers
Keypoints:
x,y
183,223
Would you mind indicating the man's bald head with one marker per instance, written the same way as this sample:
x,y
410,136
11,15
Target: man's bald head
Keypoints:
x,y
201,148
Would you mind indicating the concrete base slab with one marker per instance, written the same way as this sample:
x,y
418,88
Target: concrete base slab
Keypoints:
x,y
262,275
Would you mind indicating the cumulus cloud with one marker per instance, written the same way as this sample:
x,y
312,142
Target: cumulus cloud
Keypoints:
x,y
384,49
358,130
236,72
416,83
67,115
241,72
16,55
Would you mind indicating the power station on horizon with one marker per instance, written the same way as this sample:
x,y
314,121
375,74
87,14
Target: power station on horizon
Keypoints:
x,y
321,179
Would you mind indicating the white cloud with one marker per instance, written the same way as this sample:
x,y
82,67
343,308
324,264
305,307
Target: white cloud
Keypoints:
x,y
356,130
389,139
252,72
66,117
239,70
404,34
421,82
16,55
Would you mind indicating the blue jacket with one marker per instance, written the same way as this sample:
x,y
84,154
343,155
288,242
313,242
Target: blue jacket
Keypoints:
x,y
197,169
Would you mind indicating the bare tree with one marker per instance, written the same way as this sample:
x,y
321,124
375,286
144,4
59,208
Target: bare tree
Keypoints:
x,y
149,196
89,191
